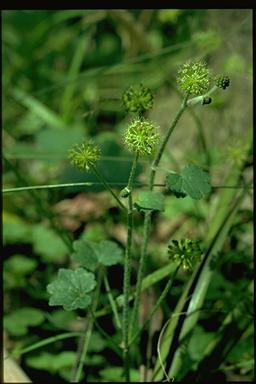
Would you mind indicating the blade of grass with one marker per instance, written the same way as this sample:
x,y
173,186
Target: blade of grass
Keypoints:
x,y
79,55
194,294
50,117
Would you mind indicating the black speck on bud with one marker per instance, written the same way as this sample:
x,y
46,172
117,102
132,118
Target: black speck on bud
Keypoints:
x,y
222,81
125,192
207,100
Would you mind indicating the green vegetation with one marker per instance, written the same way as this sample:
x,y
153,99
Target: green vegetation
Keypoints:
x,y
127,186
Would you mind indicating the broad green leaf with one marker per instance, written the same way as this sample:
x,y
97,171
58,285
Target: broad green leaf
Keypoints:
x,y
71,289
62,319
15,270
17,322
199,341
97,343
192,181
85,254
115,374
109,253
20,265
150,201
15,229
50,362
89,253
48,244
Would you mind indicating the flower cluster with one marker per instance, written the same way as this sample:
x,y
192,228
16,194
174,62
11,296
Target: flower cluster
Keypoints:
x,y
194,77
84,156
185,251
137,99
141,137
222,81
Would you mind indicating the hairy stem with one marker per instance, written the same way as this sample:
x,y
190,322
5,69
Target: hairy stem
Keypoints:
x,y
127,272
166,139
147,223
147,219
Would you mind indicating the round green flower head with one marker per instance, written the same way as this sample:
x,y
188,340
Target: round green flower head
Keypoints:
x,y
84,156
194,77
185,251
141,137
137,99
222,81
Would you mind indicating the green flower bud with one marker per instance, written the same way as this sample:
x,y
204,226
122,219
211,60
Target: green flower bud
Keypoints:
x,y
207,100
141,137
222,81
125,192
194,77
84,156
185,251
137,99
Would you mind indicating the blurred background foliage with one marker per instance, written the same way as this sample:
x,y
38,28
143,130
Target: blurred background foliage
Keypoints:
x,y
63,76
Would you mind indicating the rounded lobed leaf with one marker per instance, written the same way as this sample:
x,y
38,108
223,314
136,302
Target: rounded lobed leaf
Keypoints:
x,y
71,289
192,181
85,254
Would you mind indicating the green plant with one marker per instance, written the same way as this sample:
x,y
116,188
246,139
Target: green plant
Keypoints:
x,y
83,287
74,289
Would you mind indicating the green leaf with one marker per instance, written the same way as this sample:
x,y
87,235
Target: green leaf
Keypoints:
x,y
85,254
20,265
199,342
89,253
109,253
97,343
150,201
15,270
192,181
17,322
71,289
115,374
50,362
48,245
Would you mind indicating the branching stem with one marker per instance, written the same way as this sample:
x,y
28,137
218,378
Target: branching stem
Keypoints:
x,y
147,218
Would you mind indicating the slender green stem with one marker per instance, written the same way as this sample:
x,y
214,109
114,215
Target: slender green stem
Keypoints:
x,y
87,336
135,311
147,219
127,272
44,342
157,305
89,184
111,300
165,140
107,186
110,340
